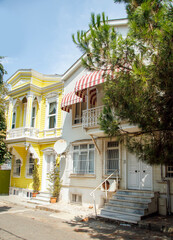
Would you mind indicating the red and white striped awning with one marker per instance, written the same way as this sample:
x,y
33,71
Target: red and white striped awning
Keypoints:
x,y
88,81
68,100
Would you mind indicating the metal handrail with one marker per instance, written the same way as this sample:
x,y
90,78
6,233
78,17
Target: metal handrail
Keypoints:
x,y
92,193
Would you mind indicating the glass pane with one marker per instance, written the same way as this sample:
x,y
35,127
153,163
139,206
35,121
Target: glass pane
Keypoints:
x,y
52,108
91,146
52,122
112,144
33,122
91,161
83,146
76,147
77,110
33,112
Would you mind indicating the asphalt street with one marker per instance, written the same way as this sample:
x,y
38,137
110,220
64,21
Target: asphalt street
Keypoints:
x,y
20,223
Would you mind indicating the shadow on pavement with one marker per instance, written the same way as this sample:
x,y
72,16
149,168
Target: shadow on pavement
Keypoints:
x,y
4,208
99,229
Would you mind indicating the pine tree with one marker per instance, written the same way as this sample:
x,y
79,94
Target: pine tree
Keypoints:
x,y
139,84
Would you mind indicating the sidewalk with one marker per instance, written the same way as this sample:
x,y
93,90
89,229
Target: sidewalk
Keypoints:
x,y
72,212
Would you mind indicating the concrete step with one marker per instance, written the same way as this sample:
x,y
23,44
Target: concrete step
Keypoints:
x,y
136,193
117,219
46,194
133,198
38,202
121,215
128,209
128,203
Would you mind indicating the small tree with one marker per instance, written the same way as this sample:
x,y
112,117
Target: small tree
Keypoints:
x,y
55,182
4,154
36,180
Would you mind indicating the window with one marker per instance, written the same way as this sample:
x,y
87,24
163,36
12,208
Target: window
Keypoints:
x,y
112,157
17,167
52,115
83,159
79,107
76,198
169,170
33,117
30,166
13,120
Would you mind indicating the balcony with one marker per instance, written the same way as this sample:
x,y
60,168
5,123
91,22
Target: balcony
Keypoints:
x,y
90,117
22,132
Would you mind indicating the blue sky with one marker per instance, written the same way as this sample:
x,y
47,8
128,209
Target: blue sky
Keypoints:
x,y
37,33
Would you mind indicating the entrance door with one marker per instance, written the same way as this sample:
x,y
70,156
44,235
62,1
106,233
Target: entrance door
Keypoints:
x,y
48,165
139,174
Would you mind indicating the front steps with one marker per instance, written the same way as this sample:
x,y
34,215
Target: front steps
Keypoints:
x,y
42,198
130,206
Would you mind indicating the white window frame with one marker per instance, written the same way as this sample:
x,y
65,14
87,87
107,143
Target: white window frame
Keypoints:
x,y
30,155
15,166
50,98
14,111
109,171
34,106
79,170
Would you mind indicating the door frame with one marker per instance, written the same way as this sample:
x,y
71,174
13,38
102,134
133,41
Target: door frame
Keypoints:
x,y
140,175
46,152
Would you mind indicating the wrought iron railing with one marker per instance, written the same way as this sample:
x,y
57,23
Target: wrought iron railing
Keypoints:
x,y
116,173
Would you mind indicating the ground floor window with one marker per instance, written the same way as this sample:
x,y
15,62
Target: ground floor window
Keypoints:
x,y
17,168
112,157
30,166
83,159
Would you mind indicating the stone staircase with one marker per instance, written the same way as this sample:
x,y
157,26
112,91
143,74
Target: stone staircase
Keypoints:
x,y
42,198
130,205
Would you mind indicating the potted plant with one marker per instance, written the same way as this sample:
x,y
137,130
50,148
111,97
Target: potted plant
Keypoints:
x,y
55,184
36,180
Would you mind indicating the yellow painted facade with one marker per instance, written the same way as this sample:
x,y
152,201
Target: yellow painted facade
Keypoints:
x,y
29,132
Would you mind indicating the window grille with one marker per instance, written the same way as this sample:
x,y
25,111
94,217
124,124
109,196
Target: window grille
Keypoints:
x,y
112,157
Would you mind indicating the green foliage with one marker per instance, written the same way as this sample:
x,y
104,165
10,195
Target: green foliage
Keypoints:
x,y
55,182
35,175
4,154
139,82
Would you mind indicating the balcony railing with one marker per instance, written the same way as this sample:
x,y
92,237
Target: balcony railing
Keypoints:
x,y
90,117
22,132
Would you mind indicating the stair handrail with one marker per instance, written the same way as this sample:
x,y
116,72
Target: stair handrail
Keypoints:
x,y
92,193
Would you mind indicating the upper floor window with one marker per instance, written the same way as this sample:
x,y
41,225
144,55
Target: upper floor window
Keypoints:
x,y
33,116
112,157
30,166
13,120
17,168
52,115
83,159
78,109
169,170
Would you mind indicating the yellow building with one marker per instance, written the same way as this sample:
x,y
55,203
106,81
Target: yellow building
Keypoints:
x,y
34,124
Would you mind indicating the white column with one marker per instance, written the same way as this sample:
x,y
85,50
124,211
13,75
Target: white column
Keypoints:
x,y
29,110
10,114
